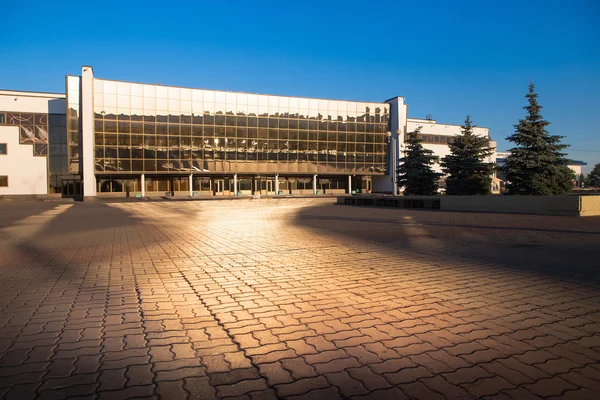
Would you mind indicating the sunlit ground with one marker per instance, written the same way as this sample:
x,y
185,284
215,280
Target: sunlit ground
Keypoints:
x,y
295,297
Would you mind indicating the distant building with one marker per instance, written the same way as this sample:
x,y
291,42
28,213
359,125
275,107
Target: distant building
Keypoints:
x,y
436,137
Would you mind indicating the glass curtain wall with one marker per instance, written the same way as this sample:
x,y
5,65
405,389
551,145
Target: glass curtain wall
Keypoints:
x,y
155,129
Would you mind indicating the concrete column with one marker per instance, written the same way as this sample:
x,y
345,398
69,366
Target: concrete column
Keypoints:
x,y
276,184
314,184
349,184
235,191
143,184
87,131
191,185
395,159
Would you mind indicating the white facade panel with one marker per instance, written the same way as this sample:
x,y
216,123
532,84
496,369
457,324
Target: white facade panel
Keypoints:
x,y
87,130
26,174
29,102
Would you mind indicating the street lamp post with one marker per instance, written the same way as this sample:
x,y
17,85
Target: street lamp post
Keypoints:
x,y
393,161
396,160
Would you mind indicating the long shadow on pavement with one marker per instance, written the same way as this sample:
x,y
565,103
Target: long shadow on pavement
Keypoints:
x,y
561,247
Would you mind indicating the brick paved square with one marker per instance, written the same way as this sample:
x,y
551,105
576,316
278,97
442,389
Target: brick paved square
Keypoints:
x,y
294,297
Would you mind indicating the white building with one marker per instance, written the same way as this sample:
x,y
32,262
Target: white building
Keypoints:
x,y
436,137
29,122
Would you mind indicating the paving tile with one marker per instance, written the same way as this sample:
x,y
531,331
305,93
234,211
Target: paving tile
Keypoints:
x,y
487,387
318,394
298,368
275,373
301,386
241,388
139,375
418,390
393,365
383,394
171,390
549,387
22,391
199,388
233,377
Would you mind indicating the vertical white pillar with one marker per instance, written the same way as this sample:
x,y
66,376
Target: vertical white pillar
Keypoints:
x,y
395,163
87,131
349,184
191,185
235,191
143,184
314,184
277,184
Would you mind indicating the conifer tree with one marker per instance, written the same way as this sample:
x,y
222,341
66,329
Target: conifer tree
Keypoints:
x,y
537,165
468,172
415,173
593,178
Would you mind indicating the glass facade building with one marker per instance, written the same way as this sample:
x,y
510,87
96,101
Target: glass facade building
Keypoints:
x,y
155,129
150,138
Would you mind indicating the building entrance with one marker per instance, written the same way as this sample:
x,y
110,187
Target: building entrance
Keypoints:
x,y
219,187
72,188
265,186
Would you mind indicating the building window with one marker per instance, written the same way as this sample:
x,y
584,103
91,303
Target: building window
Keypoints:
x,y
3,181
3,149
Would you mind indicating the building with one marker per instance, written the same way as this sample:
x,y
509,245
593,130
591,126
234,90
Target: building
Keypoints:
x,y
32,142
436,137
112,138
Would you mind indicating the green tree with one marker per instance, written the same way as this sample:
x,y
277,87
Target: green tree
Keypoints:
x,y
537,165
468,172
593,177
415,173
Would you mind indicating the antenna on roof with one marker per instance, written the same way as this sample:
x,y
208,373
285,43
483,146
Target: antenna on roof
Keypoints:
x,y
428,117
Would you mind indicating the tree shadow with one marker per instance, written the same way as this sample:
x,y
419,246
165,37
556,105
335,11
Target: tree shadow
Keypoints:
x,y
561,247
63,237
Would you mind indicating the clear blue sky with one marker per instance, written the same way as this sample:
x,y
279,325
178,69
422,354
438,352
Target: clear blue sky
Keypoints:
x,y
446,58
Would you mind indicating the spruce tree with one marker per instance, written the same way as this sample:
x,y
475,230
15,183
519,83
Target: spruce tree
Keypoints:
x,y
537,165
593,178
468,172
415,173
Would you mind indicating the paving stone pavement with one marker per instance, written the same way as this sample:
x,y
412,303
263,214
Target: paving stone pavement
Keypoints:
x,y
295,299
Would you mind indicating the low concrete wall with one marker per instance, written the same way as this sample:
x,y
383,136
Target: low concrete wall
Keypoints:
x,y
590,206
335,191
542,205
36,197
431,202
302,191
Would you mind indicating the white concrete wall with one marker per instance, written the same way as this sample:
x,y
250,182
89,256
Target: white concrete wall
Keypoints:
x,y
87,131
576,169
49,103
26,174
